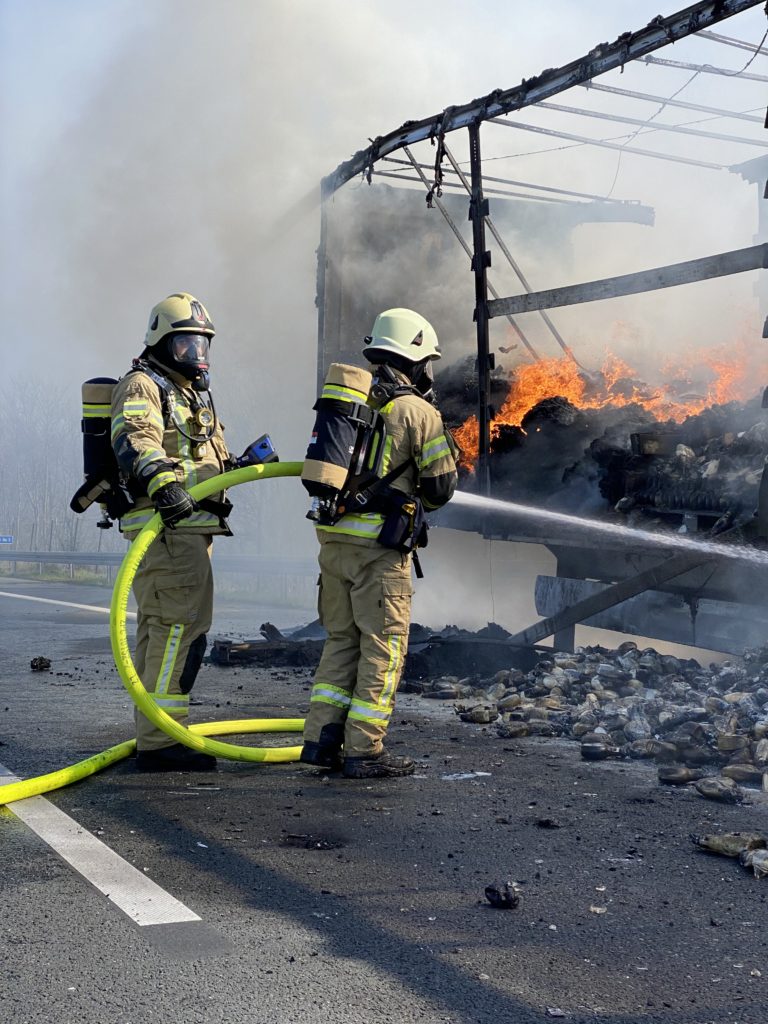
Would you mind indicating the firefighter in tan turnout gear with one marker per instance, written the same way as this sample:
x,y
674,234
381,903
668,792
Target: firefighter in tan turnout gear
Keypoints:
x,y
365,586
166,437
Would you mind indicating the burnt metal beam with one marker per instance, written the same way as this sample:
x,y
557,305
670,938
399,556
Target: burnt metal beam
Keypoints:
x,y
738,261
656,126
740,44
716,625
684,105
707,69
504,193
604,57
605,144
512,261
462,242
526,184
481,260
608,597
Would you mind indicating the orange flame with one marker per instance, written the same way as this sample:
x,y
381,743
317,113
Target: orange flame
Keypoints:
x,y
721,374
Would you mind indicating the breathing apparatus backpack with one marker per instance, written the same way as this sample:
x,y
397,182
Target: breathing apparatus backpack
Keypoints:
x,y
104,482
102,473
343,462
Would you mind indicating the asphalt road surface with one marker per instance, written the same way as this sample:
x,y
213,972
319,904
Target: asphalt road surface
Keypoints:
x,y
292,898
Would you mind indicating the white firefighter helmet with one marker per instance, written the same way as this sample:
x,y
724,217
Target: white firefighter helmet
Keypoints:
x,y
404,333
179,312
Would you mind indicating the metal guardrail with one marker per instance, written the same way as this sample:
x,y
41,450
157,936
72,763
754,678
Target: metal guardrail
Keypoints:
x,y
257,565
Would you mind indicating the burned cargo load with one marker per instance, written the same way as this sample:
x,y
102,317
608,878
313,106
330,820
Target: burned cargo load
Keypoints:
x,y
607,442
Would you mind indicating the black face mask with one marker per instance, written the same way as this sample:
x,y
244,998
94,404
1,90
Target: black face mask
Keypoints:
x,y
423,379
187,354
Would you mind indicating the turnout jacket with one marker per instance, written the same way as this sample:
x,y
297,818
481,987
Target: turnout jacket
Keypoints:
x,y
156,442
414,430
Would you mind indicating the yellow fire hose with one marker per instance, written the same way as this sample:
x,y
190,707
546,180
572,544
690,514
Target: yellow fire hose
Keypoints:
x,y
194,736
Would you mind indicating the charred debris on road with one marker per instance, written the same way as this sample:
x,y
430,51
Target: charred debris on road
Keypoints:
x,y
706,726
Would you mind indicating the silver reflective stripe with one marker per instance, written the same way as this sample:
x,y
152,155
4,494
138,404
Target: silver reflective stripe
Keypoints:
x,y
390,678
367,713
153,455
433,451
185,451
169,657
331,694
181,702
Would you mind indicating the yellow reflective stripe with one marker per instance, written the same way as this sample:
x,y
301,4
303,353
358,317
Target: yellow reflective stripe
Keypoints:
x,y
434,455
388,407
342,394
185,452
327,694
160,480
393,670
371,462
153,455
387,456
135,409
176,700
170,654
133,521
363,711
368,525
90,410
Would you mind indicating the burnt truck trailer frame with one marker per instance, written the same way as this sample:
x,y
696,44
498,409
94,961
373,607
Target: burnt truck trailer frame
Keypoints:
x,y
685,598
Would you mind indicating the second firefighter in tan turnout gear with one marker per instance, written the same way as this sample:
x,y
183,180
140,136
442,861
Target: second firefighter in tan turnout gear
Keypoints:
x,y
166,437
365,588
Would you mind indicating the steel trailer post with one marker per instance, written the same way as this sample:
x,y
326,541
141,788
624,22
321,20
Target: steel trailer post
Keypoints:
x,y
481,260
322,258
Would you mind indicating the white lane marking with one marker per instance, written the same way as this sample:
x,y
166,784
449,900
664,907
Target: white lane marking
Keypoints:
x,y
127,887
66,604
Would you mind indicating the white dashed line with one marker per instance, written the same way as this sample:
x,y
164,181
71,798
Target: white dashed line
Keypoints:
x,y
128,888
65,604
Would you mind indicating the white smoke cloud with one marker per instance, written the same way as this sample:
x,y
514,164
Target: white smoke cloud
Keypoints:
x,y
154,146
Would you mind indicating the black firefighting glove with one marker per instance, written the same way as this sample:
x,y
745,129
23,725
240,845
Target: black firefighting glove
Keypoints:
x,y
173,504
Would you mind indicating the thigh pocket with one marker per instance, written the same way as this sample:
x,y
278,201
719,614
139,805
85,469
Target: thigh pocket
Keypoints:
x,y
396,603
320,600
177,598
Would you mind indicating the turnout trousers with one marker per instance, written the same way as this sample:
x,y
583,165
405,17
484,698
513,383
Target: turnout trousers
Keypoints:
x,y
365,606
174,593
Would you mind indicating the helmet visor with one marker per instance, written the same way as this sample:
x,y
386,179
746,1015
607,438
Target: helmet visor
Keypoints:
x,y
191,349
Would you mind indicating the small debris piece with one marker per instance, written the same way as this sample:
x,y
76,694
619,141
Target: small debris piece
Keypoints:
x,y
597,746
305,841
504,896
598,910
270,632
555,1011
730,844
481,714
677,775
724,790
757,860
460,776
40,664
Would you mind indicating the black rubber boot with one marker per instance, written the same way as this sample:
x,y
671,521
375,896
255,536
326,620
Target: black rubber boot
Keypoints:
x,y
176,758
320,756
378,766
326,753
